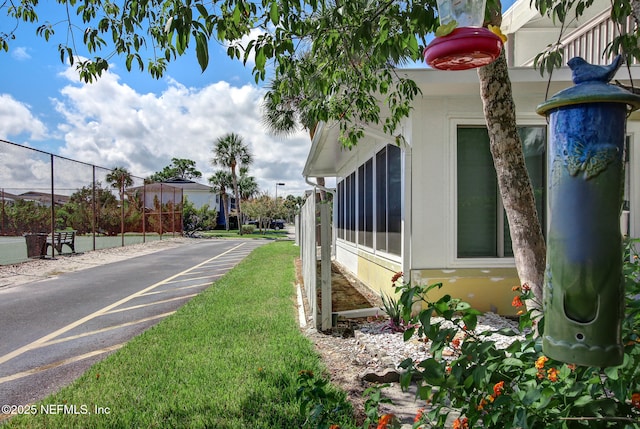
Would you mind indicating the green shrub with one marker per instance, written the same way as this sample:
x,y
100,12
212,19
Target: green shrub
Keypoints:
x,y
248,229
518,387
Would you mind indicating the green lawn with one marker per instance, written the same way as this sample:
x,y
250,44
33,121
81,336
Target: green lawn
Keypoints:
x,y
230,358
266,233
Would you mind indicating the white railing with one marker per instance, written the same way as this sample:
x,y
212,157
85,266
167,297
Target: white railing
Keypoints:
x,y
592,38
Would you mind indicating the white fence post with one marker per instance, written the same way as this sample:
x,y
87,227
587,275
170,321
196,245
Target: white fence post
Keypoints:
x,y
325,266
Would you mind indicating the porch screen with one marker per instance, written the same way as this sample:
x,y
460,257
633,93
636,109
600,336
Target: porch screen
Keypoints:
x,y
483,230
389,199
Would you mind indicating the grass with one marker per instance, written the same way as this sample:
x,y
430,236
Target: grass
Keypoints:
x,y
230,358
266,233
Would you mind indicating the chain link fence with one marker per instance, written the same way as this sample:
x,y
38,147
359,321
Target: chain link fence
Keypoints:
x,y
43,195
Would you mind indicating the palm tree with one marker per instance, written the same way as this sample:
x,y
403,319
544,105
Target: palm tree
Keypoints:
x,y
120,178
283,111
248,186
230,151
220,181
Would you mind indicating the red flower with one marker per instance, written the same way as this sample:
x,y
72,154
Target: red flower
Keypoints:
x,y
635,400
385,420
516,301
552,374
498,388
419,415
396,276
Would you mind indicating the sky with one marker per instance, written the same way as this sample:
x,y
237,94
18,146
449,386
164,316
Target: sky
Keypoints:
x,y
131,120
128,119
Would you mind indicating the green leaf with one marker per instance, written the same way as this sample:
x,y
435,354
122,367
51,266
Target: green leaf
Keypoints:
x,y
274,13
202,51
531,396
583,400
611,372
520,418
408,334
514,347
510,361
470,320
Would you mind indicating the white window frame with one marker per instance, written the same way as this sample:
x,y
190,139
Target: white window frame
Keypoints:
x,y
482,262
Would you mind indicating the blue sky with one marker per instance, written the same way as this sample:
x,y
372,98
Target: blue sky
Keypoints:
x,y
130,119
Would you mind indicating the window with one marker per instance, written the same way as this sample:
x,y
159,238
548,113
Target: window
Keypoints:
x,y
365,204
340,209
350,212
389,200
369,202
483,230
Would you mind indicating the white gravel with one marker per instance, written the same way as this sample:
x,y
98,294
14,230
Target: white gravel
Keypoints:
x,y
388,349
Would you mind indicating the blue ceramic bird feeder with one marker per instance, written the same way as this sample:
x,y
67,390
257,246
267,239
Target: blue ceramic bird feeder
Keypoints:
x,y
583,287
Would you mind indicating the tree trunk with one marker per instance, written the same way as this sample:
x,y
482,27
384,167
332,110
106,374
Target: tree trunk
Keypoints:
x,y
513,180
237,194
225,203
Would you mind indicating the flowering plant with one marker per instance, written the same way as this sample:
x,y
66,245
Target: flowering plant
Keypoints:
x,y
484,385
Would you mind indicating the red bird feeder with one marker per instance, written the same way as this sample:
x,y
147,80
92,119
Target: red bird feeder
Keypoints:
x,y
462,43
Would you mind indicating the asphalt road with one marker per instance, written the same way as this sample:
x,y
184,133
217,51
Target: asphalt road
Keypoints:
x,y
51,331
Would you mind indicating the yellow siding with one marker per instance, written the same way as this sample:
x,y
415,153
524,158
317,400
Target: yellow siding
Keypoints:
x,y
484,289
376,272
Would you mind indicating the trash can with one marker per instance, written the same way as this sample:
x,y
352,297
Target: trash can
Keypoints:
x,y
36,245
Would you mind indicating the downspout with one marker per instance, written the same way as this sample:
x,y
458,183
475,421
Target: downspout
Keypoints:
x,y
324,188
332,191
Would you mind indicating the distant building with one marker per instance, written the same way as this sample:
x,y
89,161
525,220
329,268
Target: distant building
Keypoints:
x,y
175,190
43,198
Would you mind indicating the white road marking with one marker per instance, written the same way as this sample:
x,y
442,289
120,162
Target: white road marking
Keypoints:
x,y
38,343
73,359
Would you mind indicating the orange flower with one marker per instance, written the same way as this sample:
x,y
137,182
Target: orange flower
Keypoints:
x,y
498,388
541,361
334,427
385,420
572,366
455,343
461,424
516,301
635,400
419,415
515,288
552,374
481,405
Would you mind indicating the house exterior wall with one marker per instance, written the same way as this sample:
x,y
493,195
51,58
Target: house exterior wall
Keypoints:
x,y
200,198
429,190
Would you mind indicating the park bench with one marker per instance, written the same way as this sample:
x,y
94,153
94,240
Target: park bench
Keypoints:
x,y
59,239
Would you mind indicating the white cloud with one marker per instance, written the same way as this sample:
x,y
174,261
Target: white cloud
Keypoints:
x,y
110,124
20,53
16,119
242,44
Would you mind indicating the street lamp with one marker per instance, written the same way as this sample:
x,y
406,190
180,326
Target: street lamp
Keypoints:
x,y
278,184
